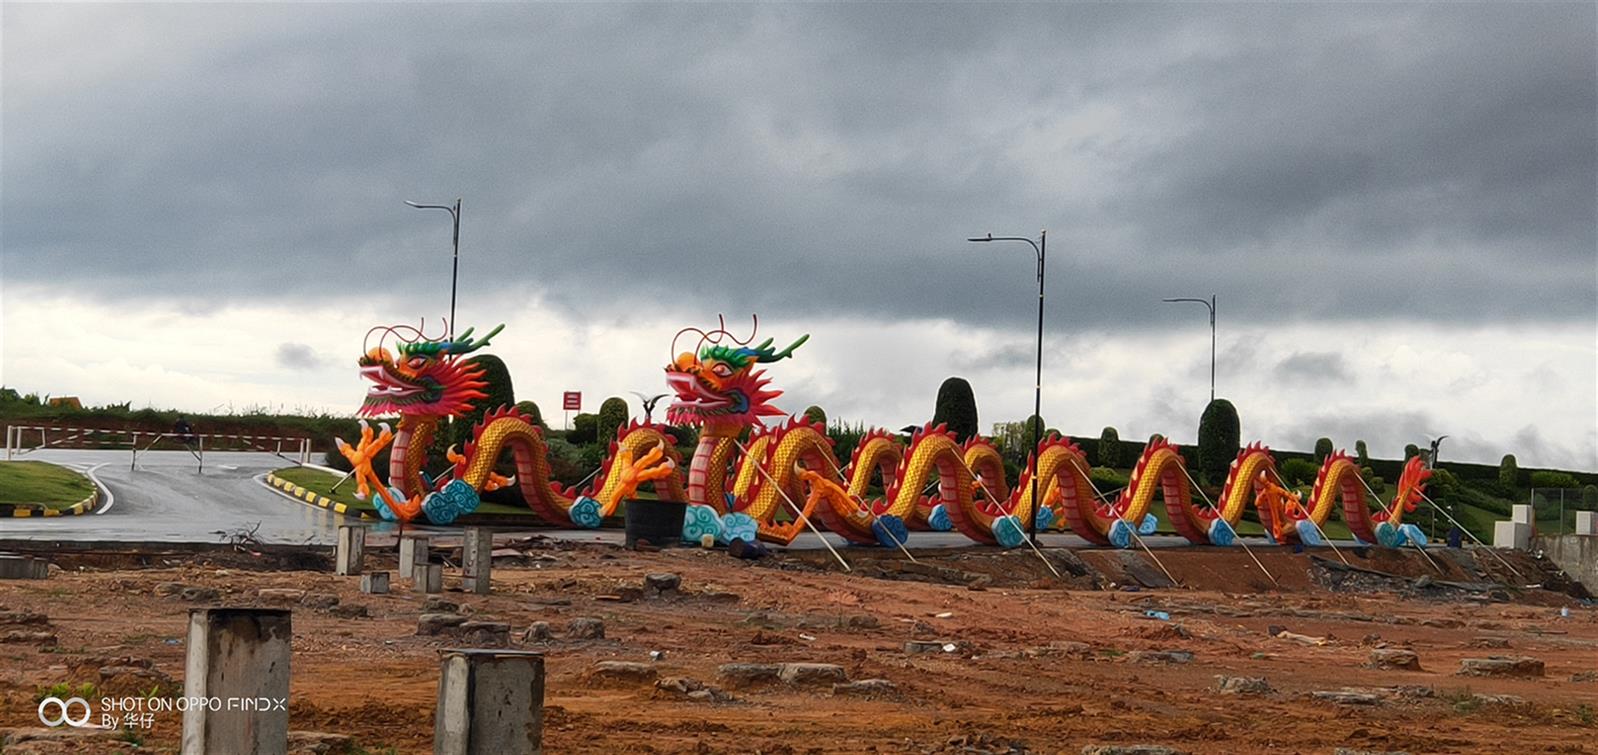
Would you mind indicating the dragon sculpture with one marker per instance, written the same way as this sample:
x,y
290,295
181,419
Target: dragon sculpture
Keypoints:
x,y
749,480
427,379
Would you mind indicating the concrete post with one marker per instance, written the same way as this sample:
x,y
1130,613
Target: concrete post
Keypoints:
x,y
413,549
238,658
430,577
1586,523
478,559
22,567
375,583
351,550
489,702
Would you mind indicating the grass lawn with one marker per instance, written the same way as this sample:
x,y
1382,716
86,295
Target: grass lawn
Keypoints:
x,y
42,483
319,481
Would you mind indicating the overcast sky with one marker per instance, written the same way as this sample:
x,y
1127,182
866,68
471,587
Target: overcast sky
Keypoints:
x,y
1396,205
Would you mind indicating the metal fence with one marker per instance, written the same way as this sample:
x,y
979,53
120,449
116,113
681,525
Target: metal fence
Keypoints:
x,y
22,440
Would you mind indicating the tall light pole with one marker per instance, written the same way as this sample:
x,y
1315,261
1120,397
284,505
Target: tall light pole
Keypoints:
x,y
455,266
1209,304
1040,246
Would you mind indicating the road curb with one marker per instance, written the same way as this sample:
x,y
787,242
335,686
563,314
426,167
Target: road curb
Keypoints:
x,y
28,510
312,498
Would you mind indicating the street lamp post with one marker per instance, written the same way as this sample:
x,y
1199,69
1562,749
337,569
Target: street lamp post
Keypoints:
x,y
455,266
1210,305
1041,247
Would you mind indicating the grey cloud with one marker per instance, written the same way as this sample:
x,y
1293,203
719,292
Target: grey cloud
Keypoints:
x,y
1314,366
296,356
1427,163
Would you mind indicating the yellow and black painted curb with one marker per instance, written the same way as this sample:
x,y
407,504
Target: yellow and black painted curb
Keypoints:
x,y
312,498
27,510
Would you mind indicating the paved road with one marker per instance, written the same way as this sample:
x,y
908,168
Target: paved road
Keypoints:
x,y
167,500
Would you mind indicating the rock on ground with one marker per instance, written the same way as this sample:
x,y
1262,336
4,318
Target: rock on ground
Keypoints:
x,y
1501,665
624,671
749,674
438,623
812,673
1242,685
1395,658
585,628
865,687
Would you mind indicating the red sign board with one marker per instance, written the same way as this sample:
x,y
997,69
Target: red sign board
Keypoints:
x,y
572,401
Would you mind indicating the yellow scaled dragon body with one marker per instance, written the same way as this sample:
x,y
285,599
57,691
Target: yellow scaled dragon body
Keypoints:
x,y
772,482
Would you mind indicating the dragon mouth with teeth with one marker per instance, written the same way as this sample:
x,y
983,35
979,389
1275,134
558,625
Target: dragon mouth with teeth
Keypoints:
x,y
424,378
720,385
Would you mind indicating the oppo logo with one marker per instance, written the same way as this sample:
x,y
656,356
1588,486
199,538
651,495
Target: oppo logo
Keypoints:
x,y
63,711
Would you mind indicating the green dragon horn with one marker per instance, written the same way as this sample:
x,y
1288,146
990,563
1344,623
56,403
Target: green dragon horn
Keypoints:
x,y
465,345
765,354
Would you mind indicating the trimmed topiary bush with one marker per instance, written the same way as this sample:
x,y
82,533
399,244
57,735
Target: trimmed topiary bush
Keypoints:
x,y
500,393
585,429
1218,439
1411,451
1546,479
1299,471
956,407
1323,449
1361,453
531,411
1508,472
816,414
612,416
1109,448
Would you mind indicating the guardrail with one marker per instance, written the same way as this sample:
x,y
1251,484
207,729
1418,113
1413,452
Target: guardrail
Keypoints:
x,y
18,436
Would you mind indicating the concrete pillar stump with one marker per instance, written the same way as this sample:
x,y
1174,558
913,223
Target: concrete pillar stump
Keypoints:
x,y
375,583
490,702
412,552
238,659
1586,523
351,550
1515,535
477,559
430,577
22,567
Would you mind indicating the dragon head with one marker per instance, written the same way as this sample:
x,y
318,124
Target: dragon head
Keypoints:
x,y
720,385
423,377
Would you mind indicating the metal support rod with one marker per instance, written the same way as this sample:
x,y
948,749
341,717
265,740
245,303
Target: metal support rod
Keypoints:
x,y
861,502
1157,561
1472,535
797,510
1133,530
1217,510
1036,504
1311,520
341,481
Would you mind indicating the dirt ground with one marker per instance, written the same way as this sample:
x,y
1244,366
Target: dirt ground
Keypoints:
x,y
1034,663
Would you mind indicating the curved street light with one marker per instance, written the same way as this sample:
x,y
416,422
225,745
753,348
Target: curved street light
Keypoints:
x,y
1040,247
455,215
1210,305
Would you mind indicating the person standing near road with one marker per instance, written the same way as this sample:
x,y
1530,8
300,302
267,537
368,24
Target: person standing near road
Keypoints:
x,y
184,430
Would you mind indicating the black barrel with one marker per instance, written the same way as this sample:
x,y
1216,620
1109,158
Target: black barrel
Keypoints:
x,y
657,522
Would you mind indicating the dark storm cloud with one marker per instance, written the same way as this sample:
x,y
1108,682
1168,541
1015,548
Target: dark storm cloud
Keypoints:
x,y
1314,367
1427,162
297,356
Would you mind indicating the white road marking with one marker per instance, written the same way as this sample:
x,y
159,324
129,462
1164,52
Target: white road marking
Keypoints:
x,y
109,498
